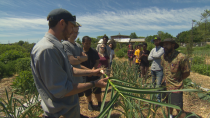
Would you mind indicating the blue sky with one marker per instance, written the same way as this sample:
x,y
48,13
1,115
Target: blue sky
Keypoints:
x,y
26,19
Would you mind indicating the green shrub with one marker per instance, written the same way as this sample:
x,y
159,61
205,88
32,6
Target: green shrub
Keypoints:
x,y
126,56
198,60
201,69
24,82
2,69
150,46
120,53
4,48
23,64
8,69
11,55
125,50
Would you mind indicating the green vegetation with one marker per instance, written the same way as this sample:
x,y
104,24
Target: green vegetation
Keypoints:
x,y
21,108
137,101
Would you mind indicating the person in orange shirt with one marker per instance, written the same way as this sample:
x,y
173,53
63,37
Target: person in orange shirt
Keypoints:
x,y
137,52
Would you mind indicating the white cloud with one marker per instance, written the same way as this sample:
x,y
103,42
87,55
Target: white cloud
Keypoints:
x,y
190,1
8,23
59,5
144,19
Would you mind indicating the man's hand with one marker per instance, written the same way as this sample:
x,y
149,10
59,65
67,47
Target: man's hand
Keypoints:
x,y
96,72
101,83
83,54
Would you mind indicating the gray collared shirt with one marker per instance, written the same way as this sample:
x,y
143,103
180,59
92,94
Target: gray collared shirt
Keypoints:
x,y
53,76
74,50
155,57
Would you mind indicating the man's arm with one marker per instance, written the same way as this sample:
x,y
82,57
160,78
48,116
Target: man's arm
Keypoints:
x,y
150,57
185,68
76,61
80,87
83,67
81,72
158,54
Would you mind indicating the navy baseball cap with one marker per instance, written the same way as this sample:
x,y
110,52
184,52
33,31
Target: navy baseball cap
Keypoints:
x,y
58,14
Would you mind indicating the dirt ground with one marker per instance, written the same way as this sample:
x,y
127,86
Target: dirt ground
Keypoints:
x,y
191,101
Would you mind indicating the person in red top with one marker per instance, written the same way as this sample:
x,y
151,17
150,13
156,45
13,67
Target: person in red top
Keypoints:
x,y
130,54
104,63
104,58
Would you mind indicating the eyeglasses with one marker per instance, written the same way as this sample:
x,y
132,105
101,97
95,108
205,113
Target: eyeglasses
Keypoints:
x,y
103,47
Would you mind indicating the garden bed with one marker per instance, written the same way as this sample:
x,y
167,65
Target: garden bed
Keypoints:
x,y
192,103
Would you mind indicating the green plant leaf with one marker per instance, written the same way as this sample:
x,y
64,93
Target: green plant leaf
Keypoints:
x,y
104,99
108,106
153,102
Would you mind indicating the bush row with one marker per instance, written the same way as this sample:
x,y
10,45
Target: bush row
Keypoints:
x,y
15,66
198,65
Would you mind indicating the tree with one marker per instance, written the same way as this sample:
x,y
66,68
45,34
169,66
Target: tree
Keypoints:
x,y
133,35
94,42
204,16
79,41
164,35
182,36
20,42
141,37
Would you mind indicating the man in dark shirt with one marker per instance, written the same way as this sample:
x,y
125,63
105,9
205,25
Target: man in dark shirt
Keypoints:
x,y
91,63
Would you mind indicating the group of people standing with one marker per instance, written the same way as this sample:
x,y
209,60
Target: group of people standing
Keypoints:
x,y
169,68
63,70
139,58
85,57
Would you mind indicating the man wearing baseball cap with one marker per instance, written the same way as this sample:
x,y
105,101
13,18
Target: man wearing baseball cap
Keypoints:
x,y
53,74
176,68
156,68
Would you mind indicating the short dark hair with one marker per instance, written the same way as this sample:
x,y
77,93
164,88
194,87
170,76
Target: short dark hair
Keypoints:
x,y
113,44
53,23
86,38
106,37
145,44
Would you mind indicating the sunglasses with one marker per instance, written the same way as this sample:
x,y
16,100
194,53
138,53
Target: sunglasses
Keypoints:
x,y
103,47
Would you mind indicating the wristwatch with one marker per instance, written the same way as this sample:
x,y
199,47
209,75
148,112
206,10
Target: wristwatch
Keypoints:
x,y
93,83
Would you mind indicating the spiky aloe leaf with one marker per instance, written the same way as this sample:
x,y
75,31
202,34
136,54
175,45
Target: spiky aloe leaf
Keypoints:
x,y
29,109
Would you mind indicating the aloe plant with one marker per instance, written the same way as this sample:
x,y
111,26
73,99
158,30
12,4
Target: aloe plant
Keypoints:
x,y
136,100
15,108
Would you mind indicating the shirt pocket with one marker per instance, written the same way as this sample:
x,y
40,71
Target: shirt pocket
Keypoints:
x,y
174,67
